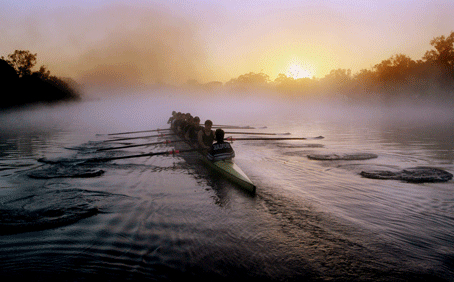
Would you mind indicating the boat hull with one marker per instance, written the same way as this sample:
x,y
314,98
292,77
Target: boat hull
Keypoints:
x,y
232,172
229,170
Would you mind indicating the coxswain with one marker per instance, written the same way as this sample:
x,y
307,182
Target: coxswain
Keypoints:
x,y
220,150
205,137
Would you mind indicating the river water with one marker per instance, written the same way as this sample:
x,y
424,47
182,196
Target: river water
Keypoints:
x,y
169,218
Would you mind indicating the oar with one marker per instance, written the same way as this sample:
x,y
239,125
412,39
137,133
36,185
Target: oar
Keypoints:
x,y
172,152
256,133
273,138
139,145
140,137
236,127
133,132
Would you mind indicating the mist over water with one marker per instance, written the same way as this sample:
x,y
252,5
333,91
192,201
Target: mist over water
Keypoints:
x,y
169,218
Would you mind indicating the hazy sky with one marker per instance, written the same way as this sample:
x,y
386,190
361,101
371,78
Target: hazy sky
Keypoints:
x,y
134,41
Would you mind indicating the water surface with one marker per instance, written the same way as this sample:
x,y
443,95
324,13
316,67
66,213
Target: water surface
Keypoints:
x,y
170,218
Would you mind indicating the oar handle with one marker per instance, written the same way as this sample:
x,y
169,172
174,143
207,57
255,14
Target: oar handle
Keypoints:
x,y
141,131
275,138
236,126
255,133
139,137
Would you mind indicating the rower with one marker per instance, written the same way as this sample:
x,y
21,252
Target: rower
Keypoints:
x,y
172,118
192,131
205,137
220,150
177,121
184,122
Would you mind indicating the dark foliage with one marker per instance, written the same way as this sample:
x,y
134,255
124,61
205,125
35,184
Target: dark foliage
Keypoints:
x,y
21,86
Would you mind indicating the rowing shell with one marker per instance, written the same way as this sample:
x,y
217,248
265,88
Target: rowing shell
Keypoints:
x,y
232,172
229,170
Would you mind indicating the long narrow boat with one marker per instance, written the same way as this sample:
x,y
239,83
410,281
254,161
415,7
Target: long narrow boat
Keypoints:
x,y
229,170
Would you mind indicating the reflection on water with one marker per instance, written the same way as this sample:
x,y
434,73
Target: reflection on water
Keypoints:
x,y
170,218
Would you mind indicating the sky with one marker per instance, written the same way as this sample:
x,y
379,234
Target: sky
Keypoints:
x,y
100,42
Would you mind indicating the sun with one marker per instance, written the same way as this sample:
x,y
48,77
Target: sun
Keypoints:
x,y
298,70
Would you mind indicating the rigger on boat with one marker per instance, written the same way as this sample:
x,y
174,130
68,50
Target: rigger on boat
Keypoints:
x,y
218,156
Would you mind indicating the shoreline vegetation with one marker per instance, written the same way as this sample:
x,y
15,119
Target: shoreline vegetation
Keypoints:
x,y
22,86
399,78
429,79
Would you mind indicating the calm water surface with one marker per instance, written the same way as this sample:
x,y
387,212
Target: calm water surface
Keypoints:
x,y
168,218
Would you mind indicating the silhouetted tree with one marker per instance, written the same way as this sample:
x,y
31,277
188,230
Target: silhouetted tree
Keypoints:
x,y
338,80
249,80
395,70
22,62
364,83
398,76
284,82
30,87
8,80
365,76
444,50
289,84
7,72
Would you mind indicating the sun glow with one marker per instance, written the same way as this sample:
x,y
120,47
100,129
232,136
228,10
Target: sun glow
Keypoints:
x,y
297,70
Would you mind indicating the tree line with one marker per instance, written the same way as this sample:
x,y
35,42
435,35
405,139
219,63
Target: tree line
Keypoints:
x,y
22,86
397,77
429,78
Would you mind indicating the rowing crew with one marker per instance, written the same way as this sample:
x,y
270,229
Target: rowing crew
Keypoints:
x,y
190,129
